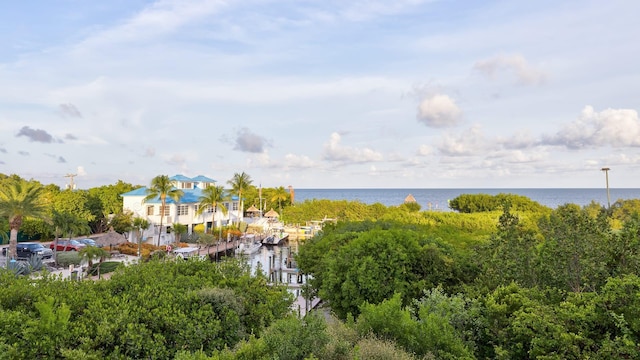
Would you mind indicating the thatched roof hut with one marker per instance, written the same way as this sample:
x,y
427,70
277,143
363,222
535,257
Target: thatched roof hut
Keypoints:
x,y
409,199
110,238
271,214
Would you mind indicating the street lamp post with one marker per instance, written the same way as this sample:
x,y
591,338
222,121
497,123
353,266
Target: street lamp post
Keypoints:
x,y
606,174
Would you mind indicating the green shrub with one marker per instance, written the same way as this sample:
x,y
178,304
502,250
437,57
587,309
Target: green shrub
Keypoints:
x,y
67,258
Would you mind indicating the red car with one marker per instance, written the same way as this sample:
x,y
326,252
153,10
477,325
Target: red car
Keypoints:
x,y
67,245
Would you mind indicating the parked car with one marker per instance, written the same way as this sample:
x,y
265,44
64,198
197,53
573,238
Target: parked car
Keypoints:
x,y
27,250
67,245
88,242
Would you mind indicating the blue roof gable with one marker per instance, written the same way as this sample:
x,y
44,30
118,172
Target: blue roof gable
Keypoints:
x,y
202,178
137,192
180,177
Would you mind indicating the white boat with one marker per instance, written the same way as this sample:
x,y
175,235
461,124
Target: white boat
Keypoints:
x,y
248,248
186,253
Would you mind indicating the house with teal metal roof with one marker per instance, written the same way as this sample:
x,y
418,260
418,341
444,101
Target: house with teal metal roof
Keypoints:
x,y
182,211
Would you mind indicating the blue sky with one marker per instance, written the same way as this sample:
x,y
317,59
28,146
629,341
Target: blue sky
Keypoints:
x,y
322,94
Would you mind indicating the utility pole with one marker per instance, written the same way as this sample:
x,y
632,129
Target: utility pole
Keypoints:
x,y
606,174
71,185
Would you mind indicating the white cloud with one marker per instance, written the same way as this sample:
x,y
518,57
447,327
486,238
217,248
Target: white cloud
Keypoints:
x,y
611,127
298,161
469,142
514,65
439,111
334,151
425,150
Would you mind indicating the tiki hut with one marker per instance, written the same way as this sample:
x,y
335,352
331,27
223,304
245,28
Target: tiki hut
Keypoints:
x,y
409,199
109,239
253,211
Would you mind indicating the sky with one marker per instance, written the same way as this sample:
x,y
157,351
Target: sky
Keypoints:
x,y
322,94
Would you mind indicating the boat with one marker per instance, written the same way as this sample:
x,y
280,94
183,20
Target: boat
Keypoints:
x,y
248,248
275,239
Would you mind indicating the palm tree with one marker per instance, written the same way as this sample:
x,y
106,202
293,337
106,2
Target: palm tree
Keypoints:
x,y
212,196
140,224
279,196
20,199
178,230
239,184
162,187
63,223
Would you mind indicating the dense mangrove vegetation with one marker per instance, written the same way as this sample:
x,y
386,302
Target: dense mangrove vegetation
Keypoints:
x,y
501,277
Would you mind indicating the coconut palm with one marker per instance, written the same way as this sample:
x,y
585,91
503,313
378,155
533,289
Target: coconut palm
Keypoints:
x,y
68,224
279,196
140,224
212,196
162,187
20,199
239,184
178,230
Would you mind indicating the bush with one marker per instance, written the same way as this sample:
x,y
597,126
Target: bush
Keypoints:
x,y
103,267
67,258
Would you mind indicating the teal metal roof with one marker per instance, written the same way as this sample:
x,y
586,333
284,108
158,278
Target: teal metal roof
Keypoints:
x,y
202,178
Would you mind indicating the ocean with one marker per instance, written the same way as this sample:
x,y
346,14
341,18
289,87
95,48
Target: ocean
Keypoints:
x,y
437,199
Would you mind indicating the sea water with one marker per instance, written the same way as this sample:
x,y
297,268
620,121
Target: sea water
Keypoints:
x,y
438,199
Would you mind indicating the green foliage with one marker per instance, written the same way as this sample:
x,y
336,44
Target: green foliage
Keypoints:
x,y
294,339
471,203
35,263
120,222
19,268
357,262
573,256
150,310
66,258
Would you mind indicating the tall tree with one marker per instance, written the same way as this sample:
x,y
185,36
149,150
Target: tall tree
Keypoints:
x,y
178,230
239,184
20,199
279,196
162,187
140,224
212,196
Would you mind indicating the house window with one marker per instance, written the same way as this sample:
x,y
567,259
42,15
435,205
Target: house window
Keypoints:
x,y
166,210
235,206
196,208
209,208
183,210
149,210
226,205
186,185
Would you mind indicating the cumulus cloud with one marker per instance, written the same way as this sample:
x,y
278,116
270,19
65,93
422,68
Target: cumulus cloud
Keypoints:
x,y
425,150
610,127
334,151
298,161
519,140
69,110
80,171
247,141
514,65
70,137
439,111
469,142
36,135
